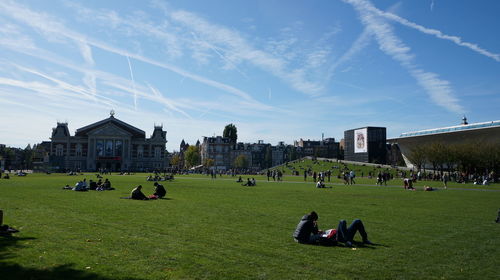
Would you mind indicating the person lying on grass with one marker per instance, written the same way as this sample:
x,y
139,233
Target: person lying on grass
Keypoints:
x,y
137,194
5,229
307,232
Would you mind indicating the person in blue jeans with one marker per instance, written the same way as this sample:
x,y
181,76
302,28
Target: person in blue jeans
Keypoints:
x,y
307,232
346,234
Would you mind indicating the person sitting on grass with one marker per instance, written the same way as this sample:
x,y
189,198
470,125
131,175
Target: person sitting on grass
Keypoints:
x,y
239,180
253,182
5,229
307,232
160,191
92,185
498,217
80,187
6,176
248,183
137,194
320,184
107,185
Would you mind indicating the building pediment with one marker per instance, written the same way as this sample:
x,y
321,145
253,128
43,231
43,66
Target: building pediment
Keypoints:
x,y
109,129
125,127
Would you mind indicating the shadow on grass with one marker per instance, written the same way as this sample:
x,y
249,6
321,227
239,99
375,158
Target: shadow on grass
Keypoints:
x,y
359,244
14,271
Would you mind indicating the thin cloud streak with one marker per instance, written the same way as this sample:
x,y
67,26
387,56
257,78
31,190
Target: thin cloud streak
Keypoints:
x,y
429,31
238,50
133,83
45,24
439,90
359,44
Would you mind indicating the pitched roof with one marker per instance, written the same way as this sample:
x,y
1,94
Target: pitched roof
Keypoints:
x,y
133,130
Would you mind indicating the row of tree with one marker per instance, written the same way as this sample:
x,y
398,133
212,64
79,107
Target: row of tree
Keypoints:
x,y
468,158
17,158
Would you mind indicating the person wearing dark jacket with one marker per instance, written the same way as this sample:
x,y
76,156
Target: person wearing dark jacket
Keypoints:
x,y
137,194
160,191
307,230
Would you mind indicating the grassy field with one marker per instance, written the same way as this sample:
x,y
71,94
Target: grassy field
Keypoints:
x,y
218,229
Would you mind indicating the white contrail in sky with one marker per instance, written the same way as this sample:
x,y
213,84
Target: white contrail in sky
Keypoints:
x,y
438,90
436,33
133,83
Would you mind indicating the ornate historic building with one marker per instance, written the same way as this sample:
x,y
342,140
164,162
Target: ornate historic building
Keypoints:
x,y
109,144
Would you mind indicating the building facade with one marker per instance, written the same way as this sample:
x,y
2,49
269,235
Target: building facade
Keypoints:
x,y
477,133
109,144
366,144
326,148
219,149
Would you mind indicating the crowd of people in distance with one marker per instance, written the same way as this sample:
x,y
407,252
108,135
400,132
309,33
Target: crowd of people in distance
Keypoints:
x,y
275,174
159,193
83,186
307,232
157,177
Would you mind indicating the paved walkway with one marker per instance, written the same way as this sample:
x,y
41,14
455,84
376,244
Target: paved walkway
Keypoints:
x,y
467,188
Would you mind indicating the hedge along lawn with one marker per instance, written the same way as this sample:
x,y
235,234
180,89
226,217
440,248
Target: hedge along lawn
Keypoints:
x,y
218,229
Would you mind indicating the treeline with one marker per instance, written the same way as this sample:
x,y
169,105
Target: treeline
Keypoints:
x,y
467,158
17,158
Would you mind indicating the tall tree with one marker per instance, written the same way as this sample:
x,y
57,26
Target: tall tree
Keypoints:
x,y
418,156
175,161
292,153
241,161
192,156
231,132
27,159
208,162
268,157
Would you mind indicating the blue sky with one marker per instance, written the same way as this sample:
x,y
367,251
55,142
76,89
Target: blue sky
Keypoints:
x,y
280,70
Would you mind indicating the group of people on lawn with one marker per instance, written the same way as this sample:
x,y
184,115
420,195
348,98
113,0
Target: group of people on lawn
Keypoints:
x,y
159,193
83,186
136,193
249,183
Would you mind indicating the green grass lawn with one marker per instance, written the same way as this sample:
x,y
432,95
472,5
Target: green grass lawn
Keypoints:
x,y
218,229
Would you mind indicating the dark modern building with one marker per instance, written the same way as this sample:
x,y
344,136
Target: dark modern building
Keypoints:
x,y
366,144
109,144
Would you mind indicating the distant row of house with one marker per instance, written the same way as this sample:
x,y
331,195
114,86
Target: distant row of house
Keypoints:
x,y
262,155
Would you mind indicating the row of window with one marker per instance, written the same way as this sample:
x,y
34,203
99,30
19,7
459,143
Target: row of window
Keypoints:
x,y
108,148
